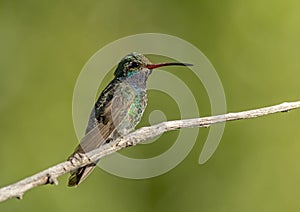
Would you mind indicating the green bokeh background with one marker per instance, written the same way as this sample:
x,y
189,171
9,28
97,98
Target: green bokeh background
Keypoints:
x,y
254,46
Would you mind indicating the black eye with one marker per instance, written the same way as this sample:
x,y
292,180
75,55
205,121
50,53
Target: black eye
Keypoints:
x,y
133,65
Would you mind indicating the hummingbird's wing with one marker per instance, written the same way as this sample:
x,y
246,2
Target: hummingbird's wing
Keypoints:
x,y
111,111
107,118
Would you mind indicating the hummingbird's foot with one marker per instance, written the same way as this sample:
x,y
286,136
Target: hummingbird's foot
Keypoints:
x,y
78,158
52,180
108,140
127,144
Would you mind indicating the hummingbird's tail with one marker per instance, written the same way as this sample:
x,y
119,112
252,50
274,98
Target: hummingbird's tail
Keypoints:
x,y
80,174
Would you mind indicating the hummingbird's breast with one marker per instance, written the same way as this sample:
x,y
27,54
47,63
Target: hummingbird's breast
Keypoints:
x,y
128,108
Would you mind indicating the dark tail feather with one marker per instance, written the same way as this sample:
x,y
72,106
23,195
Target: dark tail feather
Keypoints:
x,y
80,174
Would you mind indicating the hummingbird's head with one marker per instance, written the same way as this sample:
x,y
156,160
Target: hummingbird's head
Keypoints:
x,y
135,62
131,64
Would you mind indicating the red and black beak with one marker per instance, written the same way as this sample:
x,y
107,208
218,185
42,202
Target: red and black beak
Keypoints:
x,y
153,66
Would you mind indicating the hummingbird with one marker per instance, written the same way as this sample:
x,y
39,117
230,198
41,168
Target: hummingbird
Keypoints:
x,y
118,109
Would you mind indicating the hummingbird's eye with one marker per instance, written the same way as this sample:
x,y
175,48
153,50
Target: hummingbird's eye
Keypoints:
x,y
133,65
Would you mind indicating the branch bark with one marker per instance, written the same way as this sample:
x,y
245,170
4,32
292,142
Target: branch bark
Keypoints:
x,y
50,175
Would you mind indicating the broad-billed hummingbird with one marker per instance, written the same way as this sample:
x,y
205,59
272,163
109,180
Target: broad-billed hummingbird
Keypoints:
x,y
118,109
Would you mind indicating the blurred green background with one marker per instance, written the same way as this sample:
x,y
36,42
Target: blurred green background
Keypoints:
x,y
254,46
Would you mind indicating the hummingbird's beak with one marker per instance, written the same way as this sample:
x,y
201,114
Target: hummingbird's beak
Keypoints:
x,y
153,66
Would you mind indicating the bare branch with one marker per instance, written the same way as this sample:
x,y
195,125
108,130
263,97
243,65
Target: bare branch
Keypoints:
x,y
50,175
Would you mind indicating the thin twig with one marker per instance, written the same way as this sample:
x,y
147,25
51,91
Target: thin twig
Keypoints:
x,y
50,175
